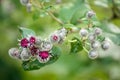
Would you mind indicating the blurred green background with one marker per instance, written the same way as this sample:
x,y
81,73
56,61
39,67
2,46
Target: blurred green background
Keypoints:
x,y
68,67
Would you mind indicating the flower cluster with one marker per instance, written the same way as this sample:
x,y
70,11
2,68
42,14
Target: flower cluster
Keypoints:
x,y
92,37
33,47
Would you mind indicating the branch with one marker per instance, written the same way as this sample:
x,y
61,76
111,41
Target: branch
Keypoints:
x,y
41,6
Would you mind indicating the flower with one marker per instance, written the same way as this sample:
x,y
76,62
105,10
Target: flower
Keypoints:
x,y
98,31
105,45
43,56
90,14
83,32
24,42
55,38
33,50
91,37
95,44
32,40
46,45
14,53
25,54
93,54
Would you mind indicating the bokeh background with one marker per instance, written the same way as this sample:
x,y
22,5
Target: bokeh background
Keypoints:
x,y
67,67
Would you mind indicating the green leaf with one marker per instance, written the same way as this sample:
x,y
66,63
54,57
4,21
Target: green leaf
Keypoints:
x,y
26,32
111,31
34,65
73,12
56,51
76,45
101,38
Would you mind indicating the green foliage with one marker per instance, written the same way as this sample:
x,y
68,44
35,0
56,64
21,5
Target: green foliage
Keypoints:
x,y
73,12
76,45
68,67
26,32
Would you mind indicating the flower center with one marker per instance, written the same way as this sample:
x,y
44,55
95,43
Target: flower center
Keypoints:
x,y
24,42
32,40
44,54
33,50
55,37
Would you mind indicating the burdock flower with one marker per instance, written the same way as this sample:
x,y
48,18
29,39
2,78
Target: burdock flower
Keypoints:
x,y
46,45
55,38
90,14
33,50
83,32
43,56
24,43
25,54
14,53
32,40
93,54
62,33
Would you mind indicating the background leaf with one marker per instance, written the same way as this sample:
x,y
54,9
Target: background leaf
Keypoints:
x,y
73,12
25,32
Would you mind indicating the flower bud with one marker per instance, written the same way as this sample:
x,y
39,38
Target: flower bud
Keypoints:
x,y
105,45
46,45
98,31
93,54
32,40
24,43
90,14
38,41
83,32
62,33
95,44
91,37
25,54
14,53
55,38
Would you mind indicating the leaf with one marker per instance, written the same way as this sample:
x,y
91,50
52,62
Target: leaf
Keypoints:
x,y
101,38
111,31
26,32
56,51
69,12
34,65
76,45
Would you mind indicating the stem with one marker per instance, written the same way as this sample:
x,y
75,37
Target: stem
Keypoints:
x,y
51,14
56,19
85,49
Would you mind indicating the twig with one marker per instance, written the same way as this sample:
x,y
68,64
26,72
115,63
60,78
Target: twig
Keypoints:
x,y
51,14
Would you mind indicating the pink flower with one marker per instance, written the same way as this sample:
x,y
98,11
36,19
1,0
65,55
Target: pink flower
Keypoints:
x,y
32,40
24,43
43,54
33,50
